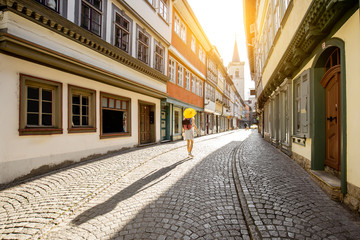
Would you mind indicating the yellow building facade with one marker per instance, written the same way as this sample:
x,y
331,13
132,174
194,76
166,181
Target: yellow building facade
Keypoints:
x,y
303,57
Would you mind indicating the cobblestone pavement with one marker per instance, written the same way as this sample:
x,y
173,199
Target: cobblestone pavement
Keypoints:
x,y
150,193
280,201
236,187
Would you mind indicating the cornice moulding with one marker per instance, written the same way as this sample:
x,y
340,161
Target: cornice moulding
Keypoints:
x,y
316,24
33,11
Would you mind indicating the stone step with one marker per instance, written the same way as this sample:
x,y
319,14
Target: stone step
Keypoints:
x,y
329,183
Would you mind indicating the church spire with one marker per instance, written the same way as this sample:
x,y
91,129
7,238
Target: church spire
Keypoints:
x,y
236,57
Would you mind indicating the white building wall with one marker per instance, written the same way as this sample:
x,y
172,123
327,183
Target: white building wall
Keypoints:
x,y
20,154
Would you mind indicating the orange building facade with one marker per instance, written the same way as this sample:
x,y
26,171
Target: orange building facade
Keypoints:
x,y
186,69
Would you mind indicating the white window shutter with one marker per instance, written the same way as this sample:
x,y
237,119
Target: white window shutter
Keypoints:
x,y
305,103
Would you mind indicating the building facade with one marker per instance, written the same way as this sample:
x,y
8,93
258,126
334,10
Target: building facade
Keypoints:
x,y
82,78
303,57
187,69
88,76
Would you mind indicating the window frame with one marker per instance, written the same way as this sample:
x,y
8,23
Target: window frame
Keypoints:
x,y
56,106
118,12
90,19
187,79
177,24
180,75
157,55
91,94
43,2
172,70
193,43
141,43
152,3
128,111
202,54
301,98
164,9
193,83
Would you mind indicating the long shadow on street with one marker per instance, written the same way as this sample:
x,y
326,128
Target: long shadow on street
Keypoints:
x,y
134,188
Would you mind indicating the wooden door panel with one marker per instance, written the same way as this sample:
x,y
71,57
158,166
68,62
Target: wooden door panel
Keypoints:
x,y
332,102
145,136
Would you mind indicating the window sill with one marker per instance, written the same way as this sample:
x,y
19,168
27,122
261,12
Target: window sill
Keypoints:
x,y
299,140
81,130
40,131
114,135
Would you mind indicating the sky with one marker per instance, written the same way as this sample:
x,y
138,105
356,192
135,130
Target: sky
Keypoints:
x,y
222,23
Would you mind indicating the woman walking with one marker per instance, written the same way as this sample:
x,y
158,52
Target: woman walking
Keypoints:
x,y
188,129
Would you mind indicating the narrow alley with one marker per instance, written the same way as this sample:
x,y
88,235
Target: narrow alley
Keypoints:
x,y
236,187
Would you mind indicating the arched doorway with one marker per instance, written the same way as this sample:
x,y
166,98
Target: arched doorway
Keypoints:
x,y
328,108
331,82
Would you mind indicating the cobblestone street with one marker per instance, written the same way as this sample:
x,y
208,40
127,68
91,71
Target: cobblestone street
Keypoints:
x,y
236,187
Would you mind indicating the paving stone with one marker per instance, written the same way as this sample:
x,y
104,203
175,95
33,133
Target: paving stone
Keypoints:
x,y
292,201
157,193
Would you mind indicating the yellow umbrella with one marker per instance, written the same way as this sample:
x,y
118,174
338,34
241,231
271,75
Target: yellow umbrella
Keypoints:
x,y
189,113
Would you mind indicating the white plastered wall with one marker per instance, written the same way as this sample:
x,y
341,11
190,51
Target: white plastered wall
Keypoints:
x,y
350,34
20,154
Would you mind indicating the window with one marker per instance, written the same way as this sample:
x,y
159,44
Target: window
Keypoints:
x,y
201,88
143,46
163,9
180,81
193,84
53,4
201,54
91,16
180,28
276,15
198,87
151,2
40,106
187,80
177,25
159,57
122,33
177,121
193,43
115,115
183,32
81,109
210,92
172,74
237,73
302,104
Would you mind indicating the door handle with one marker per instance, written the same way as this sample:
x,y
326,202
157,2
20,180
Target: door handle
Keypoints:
x,y
331,118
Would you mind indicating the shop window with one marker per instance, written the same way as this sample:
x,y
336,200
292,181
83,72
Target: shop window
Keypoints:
x,y
115,115
40,106
81,109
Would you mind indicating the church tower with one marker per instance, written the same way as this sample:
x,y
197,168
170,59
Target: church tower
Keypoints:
x,y
236,71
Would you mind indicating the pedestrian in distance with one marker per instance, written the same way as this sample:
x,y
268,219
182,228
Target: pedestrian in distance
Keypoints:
x,y
188,129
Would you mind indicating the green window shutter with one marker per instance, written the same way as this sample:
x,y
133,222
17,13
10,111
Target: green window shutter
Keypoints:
x,y
305,103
